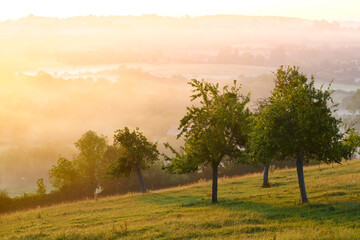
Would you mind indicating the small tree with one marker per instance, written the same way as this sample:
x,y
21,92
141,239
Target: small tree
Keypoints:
x,y
352,143
297,123
41,189
215,130
136,154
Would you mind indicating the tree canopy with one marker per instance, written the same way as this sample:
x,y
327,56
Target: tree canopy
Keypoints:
x,y
90,159
214,130
86,171
63,175
296,122
136,153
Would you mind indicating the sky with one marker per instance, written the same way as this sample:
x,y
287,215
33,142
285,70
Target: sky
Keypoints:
x,y
308,9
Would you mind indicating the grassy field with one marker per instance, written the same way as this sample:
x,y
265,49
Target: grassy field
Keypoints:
x,y
245,211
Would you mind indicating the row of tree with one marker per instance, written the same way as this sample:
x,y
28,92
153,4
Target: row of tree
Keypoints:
x,y
294,123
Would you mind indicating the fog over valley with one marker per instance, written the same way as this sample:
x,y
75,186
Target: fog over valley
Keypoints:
x,y
62,77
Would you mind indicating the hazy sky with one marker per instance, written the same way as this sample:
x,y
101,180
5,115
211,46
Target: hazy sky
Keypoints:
x,y
310,9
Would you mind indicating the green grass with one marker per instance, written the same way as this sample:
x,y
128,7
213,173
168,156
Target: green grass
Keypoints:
x,y
245,211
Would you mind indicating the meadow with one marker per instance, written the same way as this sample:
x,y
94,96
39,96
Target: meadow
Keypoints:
x,y
245,211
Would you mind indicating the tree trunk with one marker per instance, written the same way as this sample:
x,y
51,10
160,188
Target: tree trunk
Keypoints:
x,y
300,173
140,177
214,182
266,175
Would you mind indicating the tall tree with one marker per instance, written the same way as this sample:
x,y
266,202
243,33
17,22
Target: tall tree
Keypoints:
x,y
214,130
136,154
297,123
90,159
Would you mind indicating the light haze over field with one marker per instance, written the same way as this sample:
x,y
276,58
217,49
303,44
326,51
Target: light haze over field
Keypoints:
x,y
308,9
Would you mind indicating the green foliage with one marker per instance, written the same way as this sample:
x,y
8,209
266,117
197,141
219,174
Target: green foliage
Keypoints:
x,y
216,129
41,188
86,171
297,119
90,160
132,150
354,102
352,143
64,175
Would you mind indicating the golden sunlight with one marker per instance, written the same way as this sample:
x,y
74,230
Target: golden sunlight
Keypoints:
x,y
309,9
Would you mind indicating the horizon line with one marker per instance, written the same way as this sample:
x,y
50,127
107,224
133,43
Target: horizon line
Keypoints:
x,y
31,15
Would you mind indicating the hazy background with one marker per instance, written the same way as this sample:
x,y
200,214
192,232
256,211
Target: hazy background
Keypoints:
x,y
308,9
60,77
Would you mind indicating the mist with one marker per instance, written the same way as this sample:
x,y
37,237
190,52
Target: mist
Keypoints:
x,y
62,77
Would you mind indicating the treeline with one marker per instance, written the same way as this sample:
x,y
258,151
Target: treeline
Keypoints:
x,y
72,184
295,124
77,187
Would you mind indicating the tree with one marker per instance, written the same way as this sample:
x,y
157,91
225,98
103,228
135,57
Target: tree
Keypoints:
x,y
86,171
136,154
89,162
41,189
261,103
297,123
352,143
63,176
353,102
215,130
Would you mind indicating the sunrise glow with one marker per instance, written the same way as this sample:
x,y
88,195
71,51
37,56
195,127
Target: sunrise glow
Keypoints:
x,y
308,9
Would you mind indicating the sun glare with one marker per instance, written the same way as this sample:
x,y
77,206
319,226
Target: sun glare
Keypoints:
x,y
310,9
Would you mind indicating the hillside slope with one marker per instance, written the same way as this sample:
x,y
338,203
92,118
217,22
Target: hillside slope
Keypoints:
x,y
245,210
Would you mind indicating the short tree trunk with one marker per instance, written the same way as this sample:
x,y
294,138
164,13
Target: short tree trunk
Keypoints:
x,y
214,182
140,177
300,173
266,175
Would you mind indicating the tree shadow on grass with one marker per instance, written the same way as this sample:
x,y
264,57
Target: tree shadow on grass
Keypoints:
x,y
346,212
337,212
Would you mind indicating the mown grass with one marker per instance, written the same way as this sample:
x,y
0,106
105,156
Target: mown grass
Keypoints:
x,y
245,211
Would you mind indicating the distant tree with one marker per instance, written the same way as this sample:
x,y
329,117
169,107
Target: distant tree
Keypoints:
x,y
352,103
64,175
41,189
352,143
297,123
216,130
136,154
89,162
86,171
